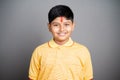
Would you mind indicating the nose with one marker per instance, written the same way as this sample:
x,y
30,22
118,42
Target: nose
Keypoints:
x,y
62,28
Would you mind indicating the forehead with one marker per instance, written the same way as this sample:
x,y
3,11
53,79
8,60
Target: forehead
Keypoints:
x,y
61,19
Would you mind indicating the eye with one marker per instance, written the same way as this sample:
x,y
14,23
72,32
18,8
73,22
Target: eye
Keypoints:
x,y
67,24
55,25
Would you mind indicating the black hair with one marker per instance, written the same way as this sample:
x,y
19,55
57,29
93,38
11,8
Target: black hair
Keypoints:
x,y
60,10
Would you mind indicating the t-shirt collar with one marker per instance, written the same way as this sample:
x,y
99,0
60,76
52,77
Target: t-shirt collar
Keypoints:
x,y
53,44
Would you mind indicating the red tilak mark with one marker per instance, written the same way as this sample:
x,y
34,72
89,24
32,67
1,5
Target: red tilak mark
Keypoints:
x,y
61,19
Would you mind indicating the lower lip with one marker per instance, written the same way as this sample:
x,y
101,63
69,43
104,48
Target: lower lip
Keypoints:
x,y
61,34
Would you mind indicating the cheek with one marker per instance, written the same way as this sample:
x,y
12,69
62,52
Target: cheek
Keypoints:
x,y
69,29
54,30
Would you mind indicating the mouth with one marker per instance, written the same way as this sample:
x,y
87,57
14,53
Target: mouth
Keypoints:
x,y
62,34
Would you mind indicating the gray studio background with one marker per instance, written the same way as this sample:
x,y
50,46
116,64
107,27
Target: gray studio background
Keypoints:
x,y
23,26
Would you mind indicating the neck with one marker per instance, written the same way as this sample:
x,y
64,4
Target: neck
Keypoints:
x,y
61,42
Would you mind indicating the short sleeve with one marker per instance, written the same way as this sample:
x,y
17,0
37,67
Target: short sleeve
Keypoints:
x,y
88,66
34,67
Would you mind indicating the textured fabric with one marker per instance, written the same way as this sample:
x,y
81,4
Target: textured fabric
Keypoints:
x,y
70,61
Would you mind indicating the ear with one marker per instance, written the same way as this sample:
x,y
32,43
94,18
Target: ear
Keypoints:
x,y
49,27
73,26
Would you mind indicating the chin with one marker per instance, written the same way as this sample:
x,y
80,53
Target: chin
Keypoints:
x,y
63,39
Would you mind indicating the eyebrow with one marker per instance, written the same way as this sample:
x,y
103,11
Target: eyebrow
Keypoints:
x,y
60,23
54,23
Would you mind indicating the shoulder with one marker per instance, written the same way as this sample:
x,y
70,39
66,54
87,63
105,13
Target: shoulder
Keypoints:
x,y
41,47
44,45
83,52
80,46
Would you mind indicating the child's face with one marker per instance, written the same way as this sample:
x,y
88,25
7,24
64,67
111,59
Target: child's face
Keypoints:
x,y
61,29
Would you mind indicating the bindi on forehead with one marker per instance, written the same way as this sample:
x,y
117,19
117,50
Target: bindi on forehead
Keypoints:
x,y
61,19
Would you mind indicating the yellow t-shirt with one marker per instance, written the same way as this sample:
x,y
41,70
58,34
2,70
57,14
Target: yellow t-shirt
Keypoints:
x,y
70,61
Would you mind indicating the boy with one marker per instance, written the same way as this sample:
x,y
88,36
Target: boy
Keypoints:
x,y
61,58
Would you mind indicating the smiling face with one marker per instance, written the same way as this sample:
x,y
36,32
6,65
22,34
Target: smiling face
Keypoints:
x,y
61,29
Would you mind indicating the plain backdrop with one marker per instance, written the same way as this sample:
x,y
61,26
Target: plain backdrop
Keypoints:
x,y
23,26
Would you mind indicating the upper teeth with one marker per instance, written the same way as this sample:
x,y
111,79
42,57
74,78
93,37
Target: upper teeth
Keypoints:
x,y
61,33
